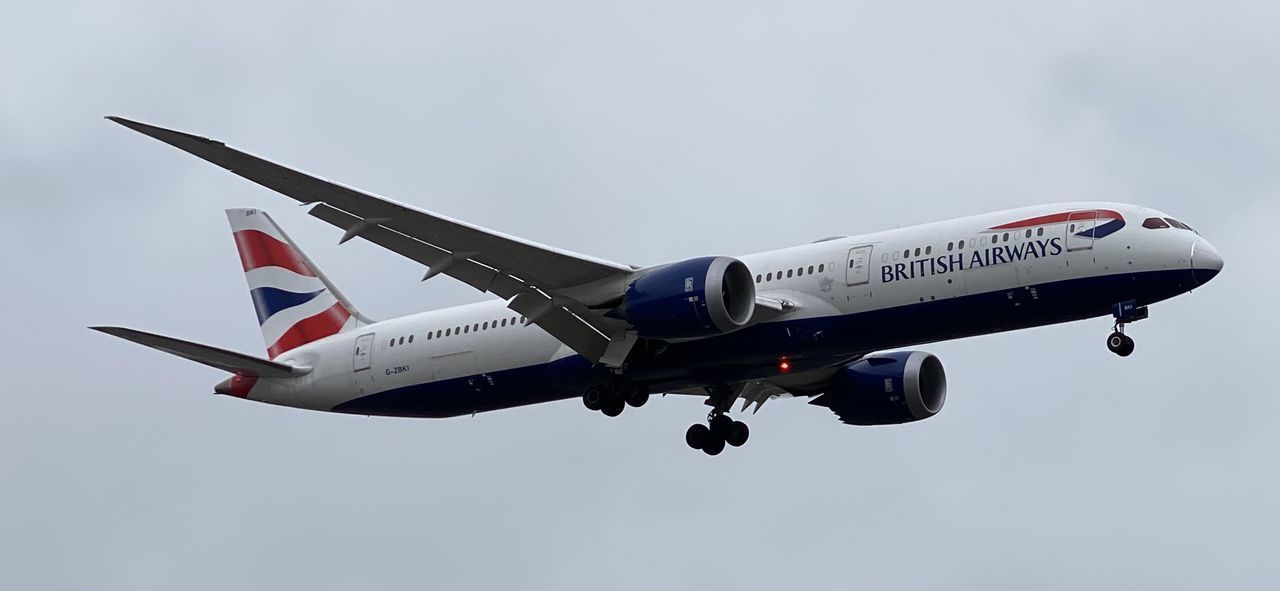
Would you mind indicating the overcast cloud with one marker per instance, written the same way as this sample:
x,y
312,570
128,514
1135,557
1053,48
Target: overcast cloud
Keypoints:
x,y
641,133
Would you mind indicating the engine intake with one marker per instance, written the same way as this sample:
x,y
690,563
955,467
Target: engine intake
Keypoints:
x,y
887,389
694,298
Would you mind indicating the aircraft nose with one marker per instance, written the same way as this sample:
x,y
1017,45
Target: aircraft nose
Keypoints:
x,y
1206,263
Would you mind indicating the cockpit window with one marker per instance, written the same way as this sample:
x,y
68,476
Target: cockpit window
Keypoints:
x,y
1177,224
1154,223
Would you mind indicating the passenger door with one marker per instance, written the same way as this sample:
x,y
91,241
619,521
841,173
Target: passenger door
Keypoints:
x,y
1080,225
858,267
364,352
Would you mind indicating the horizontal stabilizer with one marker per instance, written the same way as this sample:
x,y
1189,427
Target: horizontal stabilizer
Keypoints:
x,y
223,359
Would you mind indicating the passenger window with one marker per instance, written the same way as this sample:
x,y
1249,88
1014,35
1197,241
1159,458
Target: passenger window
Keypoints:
x,y
788,273
800,272
391,343
410,339
758,278
476,327
951,246
820,268
960,245
984,240
466,329
504,322
1028,232
811,269
1005,238
401,340
917,251
428,336
928,249
1039,231
1154,223
906,254
768,277
485,326
448,332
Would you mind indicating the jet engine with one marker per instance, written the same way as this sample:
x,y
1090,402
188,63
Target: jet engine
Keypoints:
x,y
695,298
887,389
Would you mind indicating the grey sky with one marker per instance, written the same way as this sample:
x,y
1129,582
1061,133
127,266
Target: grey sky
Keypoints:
x,y
641,133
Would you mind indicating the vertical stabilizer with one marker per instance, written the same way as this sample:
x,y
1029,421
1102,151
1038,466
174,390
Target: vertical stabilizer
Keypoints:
x,y
295,302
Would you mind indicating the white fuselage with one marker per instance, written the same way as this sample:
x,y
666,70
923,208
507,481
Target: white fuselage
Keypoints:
x,y
845,297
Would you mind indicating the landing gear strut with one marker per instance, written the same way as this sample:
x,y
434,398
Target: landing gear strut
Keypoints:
x,y
720,429
1124,313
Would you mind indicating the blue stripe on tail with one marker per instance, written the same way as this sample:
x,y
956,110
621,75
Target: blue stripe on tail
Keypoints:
x,y
269,300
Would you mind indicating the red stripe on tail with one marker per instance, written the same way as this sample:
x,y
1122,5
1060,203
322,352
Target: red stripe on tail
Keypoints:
x,y
259,249
311,329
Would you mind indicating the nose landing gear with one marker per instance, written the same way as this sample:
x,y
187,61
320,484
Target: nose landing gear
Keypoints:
x,y
1120,343
1124,313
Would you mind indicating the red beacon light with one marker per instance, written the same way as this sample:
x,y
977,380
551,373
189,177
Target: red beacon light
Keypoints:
x,y
784,365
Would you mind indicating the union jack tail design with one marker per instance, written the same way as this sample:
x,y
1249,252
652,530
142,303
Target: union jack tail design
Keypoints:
x,y
295,302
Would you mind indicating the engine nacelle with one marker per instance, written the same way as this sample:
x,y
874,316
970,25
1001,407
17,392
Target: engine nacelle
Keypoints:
x,y
694,298
887,389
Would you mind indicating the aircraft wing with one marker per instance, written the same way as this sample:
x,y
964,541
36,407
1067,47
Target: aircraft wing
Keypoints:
x,y
555,289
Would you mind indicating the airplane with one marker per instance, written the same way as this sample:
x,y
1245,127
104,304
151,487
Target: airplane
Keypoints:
x,y
826,321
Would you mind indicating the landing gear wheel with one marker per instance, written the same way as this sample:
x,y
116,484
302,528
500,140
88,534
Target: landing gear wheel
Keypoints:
x,y
738,433
612,409
593,398
1127,349
713,445
721,426
638,398
1120,344
697,436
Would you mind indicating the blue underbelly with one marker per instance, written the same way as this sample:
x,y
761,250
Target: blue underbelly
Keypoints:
x,y
808,343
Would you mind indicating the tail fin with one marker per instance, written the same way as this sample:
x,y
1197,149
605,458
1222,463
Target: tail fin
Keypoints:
x,y
295,302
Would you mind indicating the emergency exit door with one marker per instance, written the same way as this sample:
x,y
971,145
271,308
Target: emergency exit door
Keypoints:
x,y
858,269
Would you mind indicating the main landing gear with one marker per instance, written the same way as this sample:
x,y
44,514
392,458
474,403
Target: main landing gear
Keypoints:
x,y
610,399
1124,313
720,430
